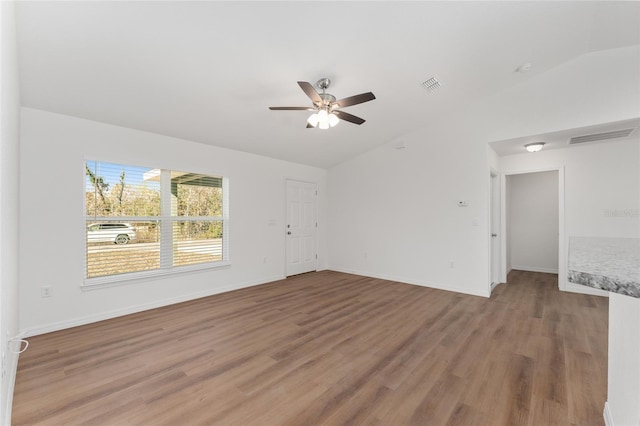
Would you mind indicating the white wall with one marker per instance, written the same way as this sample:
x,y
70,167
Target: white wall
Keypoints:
x,y
623,388
53,150
393,213
9,200
602,185
533,221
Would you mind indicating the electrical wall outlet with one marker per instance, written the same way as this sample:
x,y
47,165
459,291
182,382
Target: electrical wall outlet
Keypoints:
x,y
45,291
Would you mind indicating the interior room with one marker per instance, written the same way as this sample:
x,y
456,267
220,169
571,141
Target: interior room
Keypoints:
x,y
276,213
532,221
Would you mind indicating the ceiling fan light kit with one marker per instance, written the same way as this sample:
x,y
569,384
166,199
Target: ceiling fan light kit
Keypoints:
x,y
323,120
313,119
325,106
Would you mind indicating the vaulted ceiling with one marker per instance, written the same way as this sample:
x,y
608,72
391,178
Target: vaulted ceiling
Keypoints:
x,y
208,71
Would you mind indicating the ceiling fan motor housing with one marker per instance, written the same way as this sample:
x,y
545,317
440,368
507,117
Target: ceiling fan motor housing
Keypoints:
x,y
327,100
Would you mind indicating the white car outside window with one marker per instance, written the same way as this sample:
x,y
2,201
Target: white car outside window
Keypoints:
x,y
117,233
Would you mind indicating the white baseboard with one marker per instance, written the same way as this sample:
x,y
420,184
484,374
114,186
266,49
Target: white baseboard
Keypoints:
x,y
412,281
61,325
535,269
494,285
608,420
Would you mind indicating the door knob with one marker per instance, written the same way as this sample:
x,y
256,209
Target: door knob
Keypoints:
x,y
494,235
288,232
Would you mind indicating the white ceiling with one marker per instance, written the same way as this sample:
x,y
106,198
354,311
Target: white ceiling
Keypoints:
x,y
208,71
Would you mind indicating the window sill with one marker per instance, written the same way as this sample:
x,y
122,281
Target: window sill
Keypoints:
x,y
127,279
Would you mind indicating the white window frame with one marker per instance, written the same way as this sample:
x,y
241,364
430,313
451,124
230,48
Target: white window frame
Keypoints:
x,y
166,237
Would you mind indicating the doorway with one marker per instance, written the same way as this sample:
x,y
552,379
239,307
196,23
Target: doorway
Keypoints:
x,y
301,227
533,235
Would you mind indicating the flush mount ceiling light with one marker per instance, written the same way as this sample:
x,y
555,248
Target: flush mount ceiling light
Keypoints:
x,y
534,147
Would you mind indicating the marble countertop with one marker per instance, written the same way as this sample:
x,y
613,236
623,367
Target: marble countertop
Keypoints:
x,y
611,264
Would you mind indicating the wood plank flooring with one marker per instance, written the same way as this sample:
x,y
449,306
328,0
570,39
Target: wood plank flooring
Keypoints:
x,y
329,348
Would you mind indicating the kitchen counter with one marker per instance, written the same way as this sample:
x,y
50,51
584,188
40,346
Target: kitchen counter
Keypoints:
x,y
611,264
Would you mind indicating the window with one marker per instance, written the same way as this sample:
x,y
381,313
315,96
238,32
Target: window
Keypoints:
x,y
142,221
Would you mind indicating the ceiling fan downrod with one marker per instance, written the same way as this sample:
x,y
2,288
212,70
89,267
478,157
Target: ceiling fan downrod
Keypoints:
x,y
323,84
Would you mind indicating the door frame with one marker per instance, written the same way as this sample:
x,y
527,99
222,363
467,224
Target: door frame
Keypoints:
x,y
495,216
284,225
563,246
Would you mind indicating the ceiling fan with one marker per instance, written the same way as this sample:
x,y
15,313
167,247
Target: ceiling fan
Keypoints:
x,y
325,106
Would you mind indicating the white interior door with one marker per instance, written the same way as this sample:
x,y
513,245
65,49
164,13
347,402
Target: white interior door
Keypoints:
x,y
301,227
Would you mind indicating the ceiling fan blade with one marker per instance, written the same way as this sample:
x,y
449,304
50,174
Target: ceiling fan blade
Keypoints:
x,y
349,117
292,108
355,100
310,91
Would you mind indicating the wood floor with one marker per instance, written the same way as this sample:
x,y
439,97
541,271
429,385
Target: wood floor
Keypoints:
x,y
330,349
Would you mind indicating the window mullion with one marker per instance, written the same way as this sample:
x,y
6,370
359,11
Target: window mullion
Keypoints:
x,y
166,227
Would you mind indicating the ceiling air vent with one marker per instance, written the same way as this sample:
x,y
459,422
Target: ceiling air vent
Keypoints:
x,y
432,84
601,136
